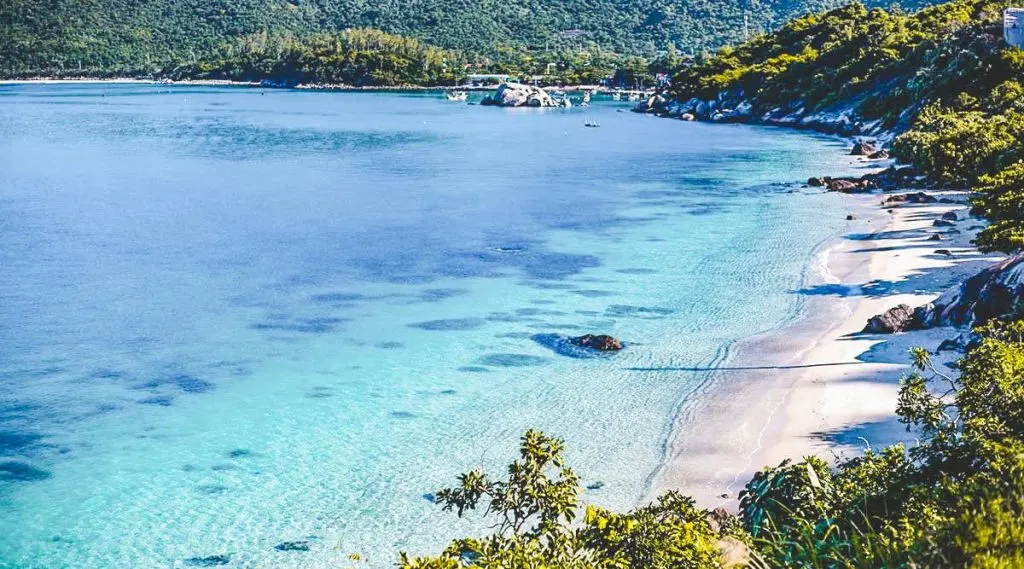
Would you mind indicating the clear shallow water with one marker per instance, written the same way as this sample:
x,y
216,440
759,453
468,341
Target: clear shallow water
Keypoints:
x,y
230,319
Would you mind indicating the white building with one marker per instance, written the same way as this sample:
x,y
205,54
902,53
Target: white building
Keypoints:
x,y
1013,26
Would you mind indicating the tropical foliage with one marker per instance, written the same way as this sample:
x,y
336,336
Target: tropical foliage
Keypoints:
x,y
535,509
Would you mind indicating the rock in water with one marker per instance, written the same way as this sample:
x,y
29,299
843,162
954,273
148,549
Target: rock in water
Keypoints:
x,y
815,182
864,148
519,95
996,292
880,155
211,561
897,319
602,342
292,546
950,216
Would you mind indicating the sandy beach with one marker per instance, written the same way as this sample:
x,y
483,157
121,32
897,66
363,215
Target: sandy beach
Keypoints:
x,y
818,385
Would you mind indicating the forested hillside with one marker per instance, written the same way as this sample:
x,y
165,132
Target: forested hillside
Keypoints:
x,y
130,36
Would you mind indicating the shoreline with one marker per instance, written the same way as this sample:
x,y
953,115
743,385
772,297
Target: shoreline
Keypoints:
x,y
300,87
816,385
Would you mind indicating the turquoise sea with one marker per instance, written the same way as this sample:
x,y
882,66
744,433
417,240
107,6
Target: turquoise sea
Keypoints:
x,y
231,318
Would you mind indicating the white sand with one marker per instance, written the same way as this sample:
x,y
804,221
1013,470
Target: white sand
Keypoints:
x,y
819,386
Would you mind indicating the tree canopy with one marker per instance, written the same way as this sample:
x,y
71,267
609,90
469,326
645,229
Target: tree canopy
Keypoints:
x,y
98,37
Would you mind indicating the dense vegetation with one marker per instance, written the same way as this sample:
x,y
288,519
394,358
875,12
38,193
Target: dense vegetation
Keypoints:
x,y
942,78
367,57
95,37
354,57
944,81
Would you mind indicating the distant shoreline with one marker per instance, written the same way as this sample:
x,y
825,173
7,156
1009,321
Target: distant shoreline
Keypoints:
x,y
300,87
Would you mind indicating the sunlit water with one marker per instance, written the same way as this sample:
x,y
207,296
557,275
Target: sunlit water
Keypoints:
x,y
230,318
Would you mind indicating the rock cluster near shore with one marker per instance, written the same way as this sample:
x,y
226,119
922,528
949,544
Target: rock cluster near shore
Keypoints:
x,y
734,106
519,95
995,292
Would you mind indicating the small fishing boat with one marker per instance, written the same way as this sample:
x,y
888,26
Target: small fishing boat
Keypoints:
x,y
456,95
591,124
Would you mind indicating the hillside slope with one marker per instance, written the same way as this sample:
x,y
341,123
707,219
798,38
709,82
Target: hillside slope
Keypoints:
x,y
141,35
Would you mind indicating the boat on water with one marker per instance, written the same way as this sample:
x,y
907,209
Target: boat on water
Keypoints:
x,y
591,124
616,96
456,95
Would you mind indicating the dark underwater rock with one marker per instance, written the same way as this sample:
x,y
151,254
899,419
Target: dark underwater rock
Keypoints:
x,y
210,561
301,545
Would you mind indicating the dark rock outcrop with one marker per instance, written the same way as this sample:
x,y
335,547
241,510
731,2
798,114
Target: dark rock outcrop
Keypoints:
x,y
880,155
815,182
601,342
896,319
996,292
950,216
943,223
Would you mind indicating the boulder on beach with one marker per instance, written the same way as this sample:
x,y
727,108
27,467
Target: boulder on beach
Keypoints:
x,y
897,319
846,186
918,197
600,342
519,95
996,292
864,148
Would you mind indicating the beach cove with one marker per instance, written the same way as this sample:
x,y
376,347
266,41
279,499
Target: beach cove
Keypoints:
x,y
304,360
